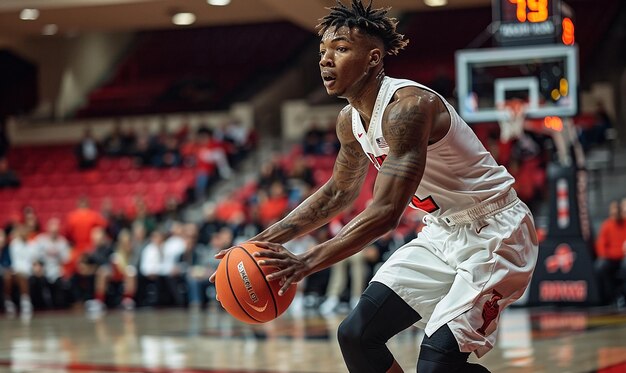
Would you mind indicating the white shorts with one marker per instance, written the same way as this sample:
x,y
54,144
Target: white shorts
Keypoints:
x,y
463,275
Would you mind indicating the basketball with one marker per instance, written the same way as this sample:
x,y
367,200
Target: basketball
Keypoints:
x,y
243,290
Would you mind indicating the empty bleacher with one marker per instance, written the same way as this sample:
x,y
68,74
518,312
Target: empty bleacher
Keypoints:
x,y
52,183
165,72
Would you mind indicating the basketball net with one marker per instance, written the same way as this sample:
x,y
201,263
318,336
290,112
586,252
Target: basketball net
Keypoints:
x,y
512,119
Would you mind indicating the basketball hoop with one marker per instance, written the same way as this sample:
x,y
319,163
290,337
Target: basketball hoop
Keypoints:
x,y
511,119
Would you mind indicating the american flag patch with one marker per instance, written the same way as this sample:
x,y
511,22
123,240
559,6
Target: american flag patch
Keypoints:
x,y
381,142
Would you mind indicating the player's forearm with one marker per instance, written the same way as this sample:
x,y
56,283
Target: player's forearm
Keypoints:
x,y
314,212
361,231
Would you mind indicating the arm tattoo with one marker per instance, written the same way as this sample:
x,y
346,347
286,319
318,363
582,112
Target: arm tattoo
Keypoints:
x,y
406,131
339,192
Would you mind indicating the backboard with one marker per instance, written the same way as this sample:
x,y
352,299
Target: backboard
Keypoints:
x,y
544,77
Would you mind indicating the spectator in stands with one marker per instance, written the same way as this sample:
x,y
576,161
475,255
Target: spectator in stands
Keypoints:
x,y
183,132
119,269
52,251
597,133
175,244
22,259
272,205
237,135
157,144
97,255
242,226
229,206
610,246
115,145
272,171
159,270
116,219
142,151
6,273
79,224
31,222
139,239
170,155
329,144
210,224
189,148
196,264
222,239
312,139
172,211
210,157
527,166
143,216
8,178
152,255
300,181
87,152
173,247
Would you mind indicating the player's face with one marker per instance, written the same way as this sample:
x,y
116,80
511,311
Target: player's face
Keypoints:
x,y
344,56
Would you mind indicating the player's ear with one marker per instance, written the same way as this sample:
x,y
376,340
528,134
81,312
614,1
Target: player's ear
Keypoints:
x,y
376,57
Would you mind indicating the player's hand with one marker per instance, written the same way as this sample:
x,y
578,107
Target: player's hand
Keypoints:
x,y
291,267
219,255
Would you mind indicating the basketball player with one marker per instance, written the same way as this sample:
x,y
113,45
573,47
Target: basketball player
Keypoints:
x,y
478,249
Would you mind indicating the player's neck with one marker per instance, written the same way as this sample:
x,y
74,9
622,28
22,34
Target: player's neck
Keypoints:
x,y
365,98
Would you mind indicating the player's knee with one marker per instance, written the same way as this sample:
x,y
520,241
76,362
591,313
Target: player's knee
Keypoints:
x,y
424,366
349,334
440,353
434,359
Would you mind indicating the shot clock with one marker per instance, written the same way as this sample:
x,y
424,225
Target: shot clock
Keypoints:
x,y
530,22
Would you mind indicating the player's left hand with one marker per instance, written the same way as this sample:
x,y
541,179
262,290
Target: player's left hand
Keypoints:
x,y
290,266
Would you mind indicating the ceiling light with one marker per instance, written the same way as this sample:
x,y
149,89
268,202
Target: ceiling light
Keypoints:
x,y
435,2
218,2
183,19
50,29
29,14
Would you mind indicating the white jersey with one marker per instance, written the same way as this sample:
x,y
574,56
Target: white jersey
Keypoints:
x,y
459,172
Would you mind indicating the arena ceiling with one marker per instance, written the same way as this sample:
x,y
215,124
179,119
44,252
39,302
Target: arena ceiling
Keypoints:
x,y
80,16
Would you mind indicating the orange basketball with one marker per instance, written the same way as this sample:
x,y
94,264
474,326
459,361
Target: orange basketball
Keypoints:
x,y
243,290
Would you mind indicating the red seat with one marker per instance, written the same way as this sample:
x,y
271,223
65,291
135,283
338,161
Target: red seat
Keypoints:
x,y
131,176
111,177
65,191
100,191
151,175
138,188
92,177
119,190
73,178
40,193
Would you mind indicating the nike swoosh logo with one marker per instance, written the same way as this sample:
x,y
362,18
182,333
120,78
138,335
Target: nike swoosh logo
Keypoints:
x,y
481,228
257,308
360,134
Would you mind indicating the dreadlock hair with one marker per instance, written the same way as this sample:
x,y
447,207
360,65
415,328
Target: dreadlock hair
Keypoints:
x,y
372,21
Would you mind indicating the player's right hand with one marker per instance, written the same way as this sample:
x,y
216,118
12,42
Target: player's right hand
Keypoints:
x,y
219,255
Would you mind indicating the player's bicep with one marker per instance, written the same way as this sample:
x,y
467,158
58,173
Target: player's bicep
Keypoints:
x,y
407,131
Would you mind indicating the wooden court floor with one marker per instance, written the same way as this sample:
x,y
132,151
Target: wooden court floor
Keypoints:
x,y
179,340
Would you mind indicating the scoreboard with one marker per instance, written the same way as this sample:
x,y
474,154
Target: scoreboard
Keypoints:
x,y
528,22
